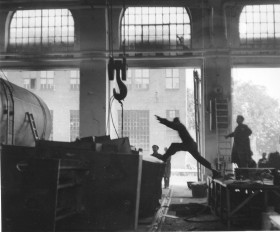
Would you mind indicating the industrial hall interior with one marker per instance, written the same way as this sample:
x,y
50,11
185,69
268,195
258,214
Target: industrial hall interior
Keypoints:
x,y
151,115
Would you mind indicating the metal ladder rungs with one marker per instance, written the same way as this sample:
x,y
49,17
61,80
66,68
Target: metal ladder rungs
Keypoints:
x,y
32,125
222,122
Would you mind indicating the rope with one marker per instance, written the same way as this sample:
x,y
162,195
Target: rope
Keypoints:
x,y
109,113
122,117
114,123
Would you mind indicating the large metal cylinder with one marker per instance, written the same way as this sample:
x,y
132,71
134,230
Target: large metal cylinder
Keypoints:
x,y
15,103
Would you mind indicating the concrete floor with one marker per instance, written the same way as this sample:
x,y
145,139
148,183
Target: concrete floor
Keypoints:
x,y
180,196
175,214
175,221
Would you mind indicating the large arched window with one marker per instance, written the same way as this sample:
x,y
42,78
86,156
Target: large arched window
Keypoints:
x,y
156,27
41,28
260,24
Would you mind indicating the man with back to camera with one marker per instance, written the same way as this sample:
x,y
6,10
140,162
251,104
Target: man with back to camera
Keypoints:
x,y
188,144
241,150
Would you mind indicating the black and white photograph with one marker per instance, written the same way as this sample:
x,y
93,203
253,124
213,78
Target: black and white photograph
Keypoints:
x,y
141,116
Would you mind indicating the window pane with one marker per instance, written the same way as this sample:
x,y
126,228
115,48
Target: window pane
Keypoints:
x,y
136,127
175,72
57,26
145,72
168,82
153,24
138,73
258,23
168,72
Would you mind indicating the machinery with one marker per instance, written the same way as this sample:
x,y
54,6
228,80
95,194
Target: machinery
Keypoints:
x,y
15,105
87,185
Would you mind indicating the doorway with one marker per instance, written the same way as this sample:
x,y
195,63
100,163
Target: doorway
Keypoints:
x,y
256,96
167,92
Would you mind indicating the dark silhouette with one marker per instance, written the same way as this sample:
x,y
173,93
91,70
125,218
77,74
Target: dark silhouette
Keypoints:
x,y
118,65
140,151
252,163
160,175
167,171
188,144
155,152
274,160
262,163
241,150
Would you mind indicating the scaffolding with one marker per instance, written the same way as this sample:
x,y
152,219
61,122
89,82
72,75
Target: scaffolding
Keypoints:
x,y
197,107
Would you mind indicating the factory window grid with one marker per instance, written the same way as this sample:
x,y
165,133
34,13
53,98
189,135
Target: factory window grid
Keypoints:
x,y
156,27
259,25
136,127
29,79
47,80
170,133
128,81
29,83
142,78
74,79
41,29
172,78
74,124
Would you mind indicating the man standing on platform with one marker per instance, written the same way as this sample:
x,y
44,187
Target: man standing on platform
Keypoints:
x,y
241,150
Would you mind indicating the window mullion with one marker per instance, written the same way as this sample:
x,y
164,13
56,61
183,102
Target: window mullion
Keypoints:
x,y
41,44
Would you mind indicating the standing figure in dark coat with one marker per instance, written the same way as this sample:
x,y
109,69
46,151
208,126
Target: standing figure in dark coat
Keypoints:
x,y
241,150
188,144
167,171
158,192
262,163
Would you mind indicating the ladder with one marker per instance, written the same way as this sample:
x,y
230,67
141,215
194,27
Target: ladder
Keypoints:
x,y
32,125
222,129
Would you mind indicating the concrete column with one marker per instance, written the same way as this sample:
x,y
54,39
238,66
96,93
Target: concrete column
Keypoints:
x,y
4,33
93,98
93,83
217,25
217,72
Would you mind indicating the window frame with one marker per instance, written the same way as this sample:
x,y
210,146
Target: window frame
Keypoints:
x,y
142,78
47,86
74,129
261,40
39,47
163,45
172,78
74,86
136,126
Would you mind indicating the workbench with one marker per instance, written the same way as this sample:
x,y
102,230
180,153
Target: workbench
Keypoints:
x,y
228,199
